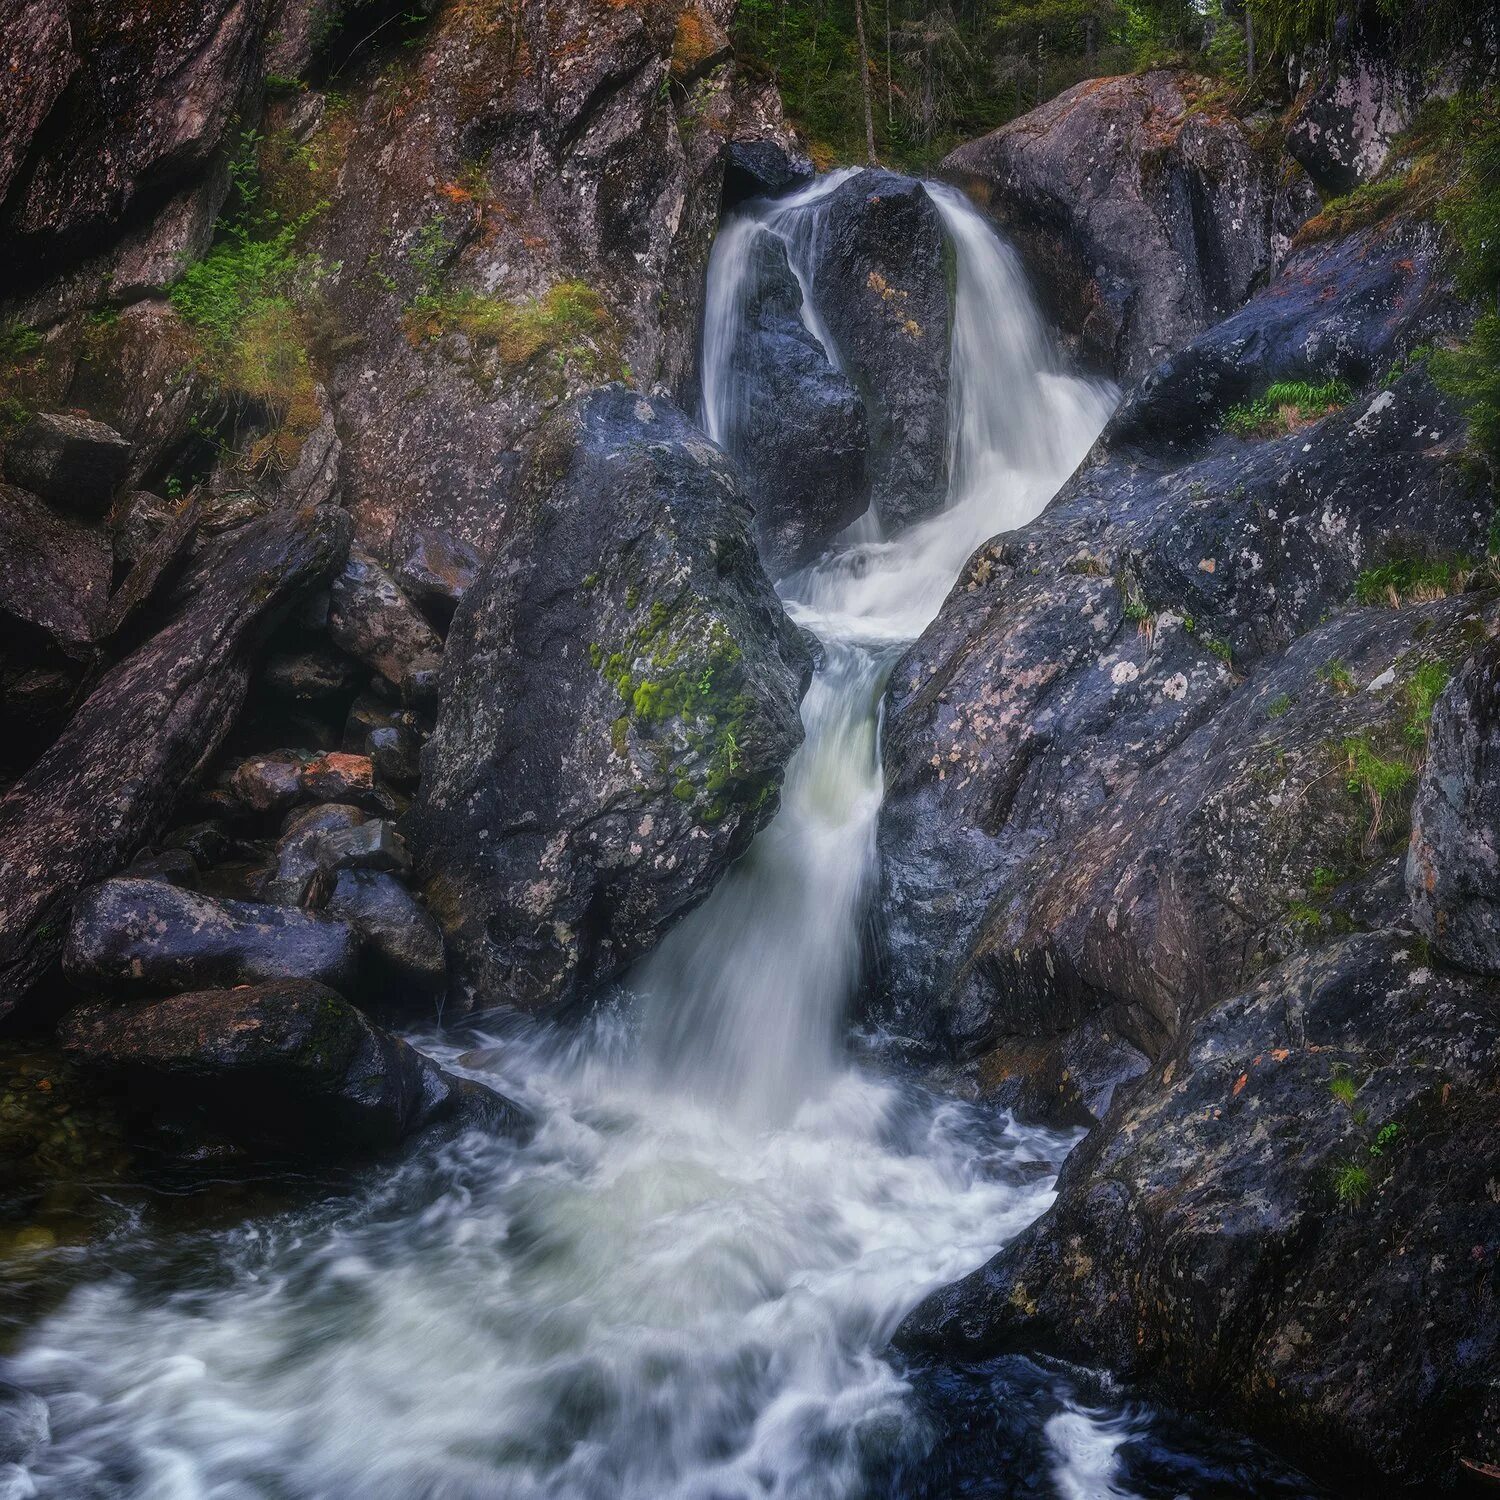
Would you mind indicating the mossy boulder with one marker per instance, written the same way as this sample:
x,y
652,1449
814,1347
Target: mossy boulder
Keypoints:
x,y
619,700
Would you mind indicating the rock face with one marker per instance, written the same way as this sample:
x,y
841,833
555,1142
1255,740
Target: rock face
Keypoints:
x,y
1075,654
619,699
881,282
111,780
72,462
1311,1169
799,431
146,937
54,574
289,1063
1142,220
1453,868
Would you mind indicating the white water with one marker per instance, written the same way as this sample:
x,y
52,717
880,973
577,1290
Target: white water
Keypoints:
x,y
682,1287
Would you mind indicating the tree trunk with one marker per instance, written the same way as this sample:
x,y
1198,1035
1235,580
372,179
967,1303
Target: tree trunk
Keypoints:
x,y
864,79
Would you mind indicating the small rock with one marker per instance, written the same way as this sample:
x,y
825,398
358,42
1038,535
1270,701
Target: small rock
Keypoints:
x,y
436,571
207,842
371,619
339,777
268,783
131,935
72,462
400,936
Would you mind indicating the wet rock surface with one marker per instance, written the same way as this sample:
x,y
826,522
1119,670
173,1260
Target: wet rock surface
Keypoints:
x,y
799,437
1307,1171
290,1063
619,700
1142,220
882,288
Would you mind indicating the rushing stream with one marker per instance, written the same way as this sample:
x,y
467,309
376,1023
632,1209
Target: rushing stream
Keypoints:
x,y
683,1287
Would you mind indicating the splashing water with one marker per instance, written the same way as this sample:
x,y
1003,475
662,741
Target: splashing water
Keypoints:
x,y
680,1289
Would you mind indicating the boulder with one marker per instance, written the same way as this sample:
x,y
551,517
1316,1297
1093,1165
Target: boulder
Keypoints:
x,y
111,780
133,936
288,1064
1074,654
299,850
1453,867
54,574
762,169
798,428
619,700
37,61
375,623
402,954
1308,1170
155,561
72,462
391,737
436,570
267,783
881,280
1142,219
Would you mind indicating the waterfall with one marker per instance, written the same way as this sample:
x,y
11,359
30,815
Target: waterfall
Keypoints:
x,y
683,1287
747,998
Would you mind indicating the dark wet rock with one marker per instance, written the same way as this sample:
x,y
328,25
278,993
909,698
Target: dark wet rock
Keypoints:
x,y
132,936
267,783
207,841
391,737
1350,308
155,560
1063,668
371,845
799,429
37,61
311,676
1361,99
762,169
882,288
110,782
289,1063
299,850
1453,869
436,570
72,462
1141,219
339,777
371,619
151,94
619,701
402,953
1309,1170
25,1425
170,866
54,573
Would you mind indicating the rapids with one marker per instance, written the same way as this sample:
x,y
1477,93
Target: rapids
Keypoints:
x,y
683,1287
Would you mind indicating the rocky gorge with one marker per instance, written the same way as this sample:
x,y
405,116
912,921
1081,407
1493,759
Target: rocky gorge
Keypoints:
x,y
531,616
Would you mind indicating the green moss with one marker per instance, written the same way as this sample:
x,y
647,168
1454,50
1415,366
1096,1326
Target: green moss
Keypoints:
x,y
619,736
1220,648
1284,405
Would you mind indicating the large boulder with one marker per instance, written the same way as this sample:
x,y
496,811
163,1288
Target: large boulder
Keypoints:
x,y
881,277
111,780
1453,867
74,463
371,619
1142,219
1293,1221
54,574
619,700
147,937
1074,654
798,428
288,1064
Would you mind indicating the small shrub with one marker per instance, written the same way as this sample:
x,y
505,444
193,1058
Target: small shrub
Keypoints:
x,y
1285,405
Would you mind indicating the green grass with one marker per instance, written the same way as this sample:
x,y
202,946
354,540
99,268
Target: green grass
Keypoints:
x,y
1411,579
1344,1089
1372,773
1284,404
1337,676
1278,705
1351,1184
1422,692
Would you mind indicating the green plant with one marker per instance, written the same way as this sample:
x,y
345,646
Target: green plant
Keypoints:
x,y
1220,648
1377,776
1343,1088
1411,579
1323,880
1422,692
1385,1138
1278,705
1337,676
1351,1184
1284,405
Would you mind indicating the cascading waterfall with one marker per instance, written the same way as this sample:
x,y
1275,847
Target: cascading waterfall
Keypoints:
x,y
683,1285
